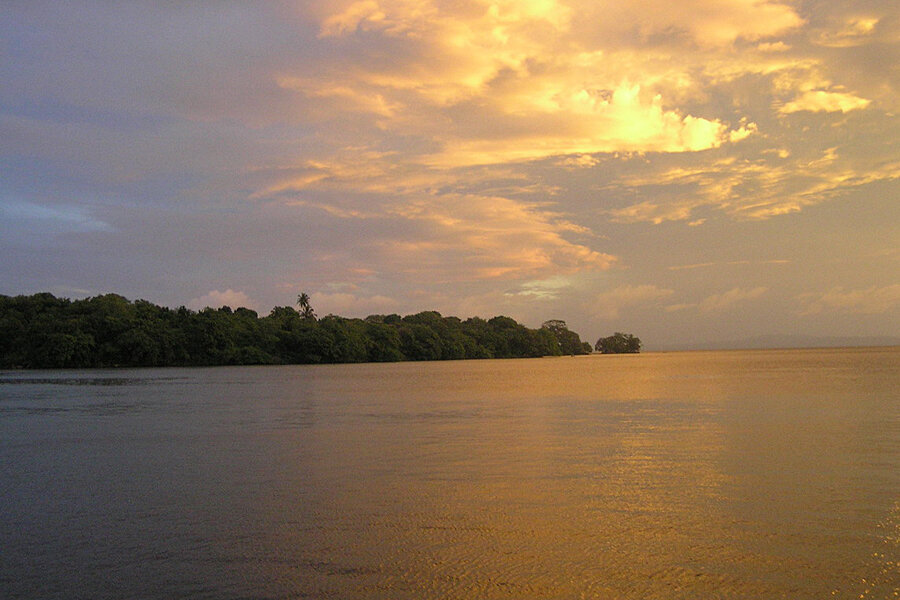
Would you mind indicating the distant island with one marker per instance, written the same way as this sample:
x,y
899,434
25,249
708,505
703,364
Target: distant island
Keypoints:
x,y
43,331
619,343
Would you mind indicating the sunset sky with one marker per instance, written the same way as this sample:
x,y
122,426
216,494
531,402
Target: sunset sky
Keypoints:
x,y
687,171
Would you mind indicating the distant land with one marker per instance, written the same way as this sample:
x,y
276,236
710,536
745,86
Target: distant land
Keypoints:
x,y
43,331
782,341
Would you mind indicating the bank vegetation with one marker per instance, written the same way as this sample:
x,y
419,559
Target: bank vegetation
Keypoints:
x,y
43,331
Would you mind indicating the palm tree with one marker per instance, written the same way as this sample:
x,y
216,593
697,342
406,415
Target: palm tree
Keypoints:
x,y
306,311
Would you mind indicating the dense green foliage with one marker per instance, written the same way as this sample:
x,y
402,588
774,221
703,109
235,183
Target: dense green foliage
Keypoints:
x,y
42,331
619,343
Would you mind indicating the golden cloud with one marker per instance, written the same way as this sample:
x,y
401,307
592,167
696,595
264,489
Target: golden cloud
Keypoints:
x,y
729,263
707,22
726,300
341,97
455,94
852,31
824,101
624,121
609,305
475,237
452,237
869,301
508,81
748,189
721,302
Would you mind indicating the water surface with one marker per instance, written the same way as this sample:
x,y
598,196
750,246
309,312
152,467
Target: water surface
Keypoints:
x,y
759,474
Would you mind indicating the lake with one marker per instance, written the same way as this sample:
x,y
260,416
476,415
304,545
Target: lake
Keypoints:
x,y
695,475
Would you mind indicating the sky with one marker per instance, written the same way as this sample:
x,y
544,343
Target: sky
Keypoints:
x,y
688,172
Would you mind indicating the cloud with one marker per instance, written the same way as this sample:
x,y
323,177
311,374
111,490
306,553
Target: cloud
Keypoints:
x,y
726,300
609,305
707,23
721,302
473,237
847,32
729,263
579,161
348,304
352,17
869,301
217,299
620,122
491,83
767,186
822,101
773,47
545,289
340,97
430,239
62,218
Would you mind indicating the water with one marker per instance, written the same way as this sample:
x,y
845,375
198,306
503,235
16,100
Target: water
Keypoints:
x,y
757,475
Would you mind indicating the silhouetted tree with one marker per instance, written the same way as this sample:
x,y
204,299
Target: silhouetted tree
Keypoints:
x,y
619,343
568,341
306,310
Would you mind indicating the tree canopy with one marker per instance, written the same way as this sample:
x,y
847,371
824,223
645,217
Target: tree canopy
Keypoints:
x,y
569,341
619,343
43,331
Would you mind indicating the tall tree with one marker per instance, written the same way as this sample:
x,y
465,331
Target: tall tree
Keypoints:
x,y
306,309
568,341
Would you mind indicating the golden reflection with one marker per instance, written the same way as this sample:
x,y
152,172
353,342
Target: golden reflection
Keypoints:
x,y
629,477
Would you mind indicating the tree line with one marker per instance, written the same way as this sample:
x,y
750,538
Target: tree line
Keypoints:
x,y
43,331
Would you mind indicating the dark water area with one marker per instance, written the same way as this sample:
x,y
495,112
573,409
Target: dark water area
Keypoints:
x,y
746,474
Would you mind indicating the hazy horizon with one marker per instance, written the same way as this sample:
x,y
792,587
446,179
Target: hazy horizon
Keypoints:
x,y
721,172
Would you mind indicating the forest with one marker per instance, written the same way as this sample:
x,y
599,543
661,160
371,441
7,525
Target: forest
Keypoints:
x,y
43,331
